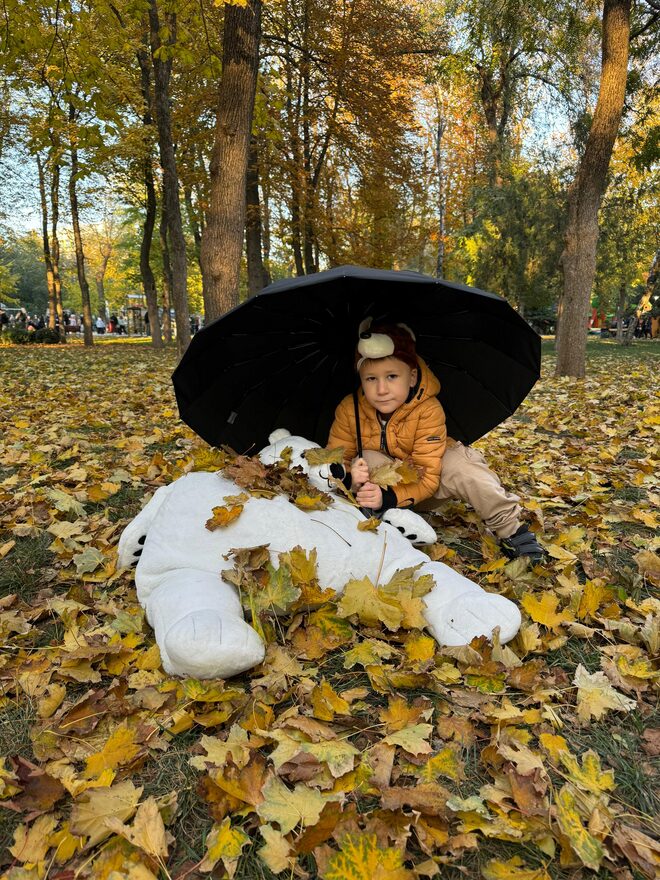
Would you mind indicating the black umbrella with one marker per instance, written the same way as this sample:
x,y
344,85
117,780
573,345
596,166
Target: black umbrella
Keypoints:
x,y
285,358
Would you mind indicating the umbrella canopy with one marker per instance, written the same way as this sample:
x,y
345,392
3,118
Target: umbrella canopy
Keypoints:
x,y
285,358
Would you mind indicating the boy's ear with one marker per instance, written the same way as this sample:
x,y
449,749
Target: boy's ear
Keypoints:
x,y
413,377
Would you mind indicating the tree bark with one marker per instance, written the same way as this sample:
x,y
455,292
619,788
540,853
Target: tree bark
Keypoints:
x,y
162,71
193,222
77,238
258,276
440,173
578,260
146,273
54,239
222,240
167,275
46,244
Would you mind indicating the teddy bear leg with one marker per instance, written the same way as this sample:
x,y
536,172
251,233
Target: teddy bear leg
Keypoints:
x,y
457,609
199,627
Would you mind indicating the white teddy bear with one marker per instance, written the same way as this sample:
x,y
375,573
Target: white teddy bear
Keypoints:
x,y
197,617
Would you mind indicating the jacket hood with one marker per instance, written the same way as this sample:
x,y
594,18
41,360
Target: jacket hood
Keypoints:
x,y
428,386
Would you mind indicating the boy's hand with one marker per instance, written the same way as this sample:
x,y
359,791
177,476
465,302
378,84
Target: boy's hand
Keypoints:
x,y
370,496
359,473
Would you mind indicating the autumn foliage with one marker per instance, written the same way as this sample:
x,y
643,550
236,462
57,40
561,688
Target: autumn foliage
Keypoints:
x,y
358,748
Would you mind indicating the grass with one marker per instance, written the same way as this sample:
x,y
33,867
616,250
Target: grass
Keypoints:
x,y
23,571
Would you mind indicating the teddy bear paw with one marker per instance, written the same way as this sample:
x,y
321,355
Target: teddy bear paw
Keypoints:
x,y
411,525
473,614
205,645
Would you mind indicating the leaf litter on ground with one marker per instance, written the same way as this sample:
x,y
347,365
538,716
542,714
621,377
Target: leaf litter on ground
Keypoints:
x,y
359,748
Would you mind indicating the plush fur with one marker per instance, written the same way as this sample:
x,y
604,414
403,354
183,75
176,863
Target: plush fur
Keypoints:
x,y
197,617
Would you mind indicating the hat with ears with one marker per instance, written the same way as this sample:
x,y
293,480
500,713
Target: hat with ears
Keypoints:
x,y
385,340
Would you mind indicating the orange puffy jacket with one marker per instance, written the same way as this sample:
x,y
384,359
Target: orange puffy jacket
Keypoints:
x,y
416,430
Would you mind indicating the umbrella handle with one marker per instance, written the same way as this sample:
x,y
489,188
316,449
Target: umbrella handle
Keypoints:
x,y
358,433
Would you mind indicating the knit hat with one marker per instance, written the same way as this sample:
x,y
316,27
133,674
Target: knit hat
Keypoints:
x,y
385,340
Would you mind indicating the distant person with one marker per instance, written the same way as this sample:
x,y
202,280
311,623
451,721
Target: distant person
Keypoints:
x,y
21,319
4,320
100,326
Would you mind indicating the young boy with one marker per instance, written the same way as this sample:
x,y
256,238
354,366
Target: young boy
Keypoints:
x,y
402,418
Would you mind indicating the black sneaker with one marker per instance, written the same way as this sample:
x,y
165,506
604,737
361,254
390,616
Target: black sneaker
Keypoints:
x,y
522,543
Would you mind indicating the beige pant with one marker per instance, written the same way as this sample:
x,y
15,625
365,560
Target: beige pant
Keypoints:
x,y
466,476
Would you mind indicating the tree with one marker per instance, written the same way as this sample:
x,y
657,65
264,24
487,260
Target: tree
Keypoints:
x,y
578,260
163,38
222,239
77,237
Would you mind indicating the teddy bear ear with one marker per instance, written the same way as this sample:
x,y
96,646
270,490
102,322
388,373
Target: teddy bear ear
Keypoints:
x,y
278,434
365,325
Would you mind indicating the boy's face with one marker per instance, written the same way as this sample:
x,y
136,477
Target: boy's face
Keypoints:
x,y
386,383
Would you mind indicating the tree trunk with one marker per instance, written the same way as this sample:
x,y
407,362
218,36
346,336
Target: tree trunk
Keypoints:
x,y
46,244
162,70
167,275
222,240
257,272
295,167
440,173
644,304
578,260
192,220
146,273
54,240
77,238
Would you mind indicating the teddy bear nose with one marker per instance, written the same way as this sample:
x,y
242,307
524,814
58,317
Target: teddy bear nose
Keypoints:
x,y
365,335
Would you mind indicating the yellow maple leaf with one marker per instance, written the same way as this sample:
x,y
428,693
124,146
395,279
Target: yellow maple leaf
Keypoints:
x,y
226,843
513,869
369,525
446,762
91,809
554,745
31,842
596,695
590,776
326,702
119,750
319,456
147,832
276,853
289,808
544,610
371,606
310,502
223,517
362,857
587,848
412,739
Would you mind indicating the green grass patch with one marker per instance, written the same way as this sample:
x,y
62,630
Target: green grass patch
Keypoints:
x,y
22,570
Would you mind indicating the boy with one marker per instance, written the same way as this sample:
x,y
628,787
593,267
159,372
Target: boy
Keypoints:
x,y
401,417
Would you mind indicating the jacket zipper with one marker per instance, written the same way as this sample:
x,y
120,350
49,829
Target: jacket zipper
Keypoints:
x,y
383,438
